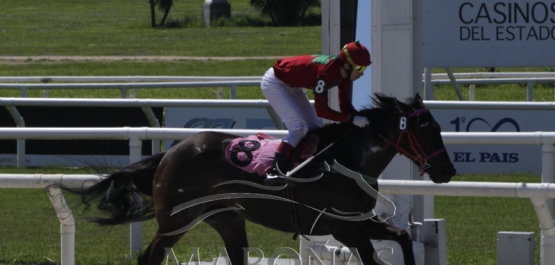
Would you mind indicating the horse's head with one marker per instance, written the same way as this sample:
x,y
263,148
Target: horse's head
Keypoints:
x,y
418,137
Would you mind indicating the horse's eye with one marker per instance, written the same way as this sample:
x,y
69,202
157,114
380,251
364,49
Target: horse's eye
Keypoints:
x,y
426,124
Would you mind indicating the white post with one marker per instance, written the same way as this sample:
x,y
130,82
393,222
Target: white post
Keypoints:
x,y
454,82
429,93
396,70
472,92
331,21
135,229
67,225
548,167
331,27
530,91
20,122
544,208
220,93
67,244
153,123
547,226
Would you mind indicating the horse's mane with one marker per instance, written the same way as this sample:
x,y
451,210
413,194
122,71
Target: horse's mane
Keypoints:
x,y
391,104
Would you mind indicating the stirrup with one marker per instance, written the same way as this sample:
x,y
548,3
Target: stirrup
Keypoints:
x,y
274,177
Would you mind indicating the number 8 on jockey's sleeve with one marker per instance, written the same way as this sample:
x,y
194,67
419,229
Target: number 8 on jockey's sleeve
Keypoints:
x,y
283,86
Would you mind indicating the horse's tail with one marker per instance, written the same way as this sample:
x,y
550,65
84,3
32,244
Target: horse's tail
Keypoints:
x,y
120,193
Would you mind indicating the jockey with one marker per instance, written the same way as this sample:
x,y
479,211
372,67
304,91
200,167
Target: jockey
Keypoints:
x,y
283,86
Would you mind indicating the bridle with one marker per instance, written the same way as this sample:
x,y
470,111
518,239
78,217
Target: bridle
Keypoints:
x,y
416,153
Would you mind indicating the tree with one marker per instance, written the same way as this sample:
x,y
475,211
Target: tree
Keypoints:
x,y
284,12
164,6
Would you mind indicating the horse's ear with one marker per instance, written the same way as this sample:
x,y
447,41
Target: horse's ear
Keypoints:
x,y
419,100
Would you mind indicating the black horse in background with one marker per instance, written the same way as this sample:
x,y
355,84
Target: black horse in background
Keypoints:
x,y
193,182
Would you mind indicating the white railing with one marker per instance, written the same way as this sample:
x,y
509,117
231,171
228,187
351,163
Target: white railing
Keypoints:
x,y
537,192
472,79
157,78
51,79
124,87
147,104
473,82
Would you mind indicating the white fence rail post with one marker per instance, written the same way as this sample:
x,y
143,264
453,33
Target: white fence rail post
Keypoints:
x,y
67,225
20,122
548,166
136,228
545,206
547,226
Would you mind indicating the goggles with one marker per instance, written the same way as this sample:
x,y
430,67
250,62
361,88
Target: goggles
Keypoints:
x,y
358,68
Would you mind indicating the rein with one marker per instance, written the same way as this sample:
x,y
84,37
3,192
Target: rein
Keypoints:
x,y
319,153
417,153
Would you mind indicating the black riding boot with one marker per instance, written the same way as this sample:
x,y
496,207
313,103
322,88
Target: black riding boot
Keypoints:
x,y
275,175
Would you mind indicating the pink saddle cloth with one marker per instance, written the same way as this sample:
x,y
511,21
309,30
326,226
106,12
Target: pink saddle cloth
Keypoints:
x,y
254,153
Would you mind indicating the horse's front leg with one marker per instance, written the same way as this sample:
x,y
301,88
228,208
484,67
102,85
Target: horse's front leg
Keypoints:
x,y
383,231
353,236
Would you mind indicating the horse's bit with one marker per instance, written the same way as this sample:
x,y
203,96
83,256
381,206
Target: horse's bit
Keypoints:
x,y
417,153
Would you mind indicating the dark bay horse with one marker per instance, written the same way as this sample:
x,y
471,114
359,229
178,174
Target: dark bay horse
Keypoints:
x,y
193,182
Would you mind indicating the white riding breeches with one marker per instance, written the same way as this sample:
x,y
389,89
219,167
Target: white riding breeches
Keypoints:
x,y
291,105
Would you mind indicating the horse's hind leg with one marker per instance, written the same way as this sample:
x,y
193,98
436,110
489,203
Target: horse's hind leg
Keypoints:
x,y
231,228
170,228
155,253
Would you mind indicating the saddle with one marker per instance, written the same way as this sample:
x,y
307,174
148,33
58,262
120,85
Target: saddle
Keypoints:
x,y
255,153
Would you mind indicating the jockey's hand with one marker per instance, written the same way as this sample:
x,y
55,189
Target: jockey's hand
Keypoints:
x,y
361,121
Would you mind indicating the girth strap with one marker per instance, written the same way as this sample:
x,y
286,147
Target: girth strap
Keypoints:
x,y
293,213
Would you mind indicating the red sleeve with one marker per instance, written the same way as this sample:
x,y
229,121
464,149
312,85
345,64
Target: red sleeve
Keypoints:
x,y
324,111
345,91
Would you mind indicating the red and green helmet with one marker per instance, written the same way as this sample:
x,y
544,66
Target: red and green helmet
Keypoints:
x,y
355,54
